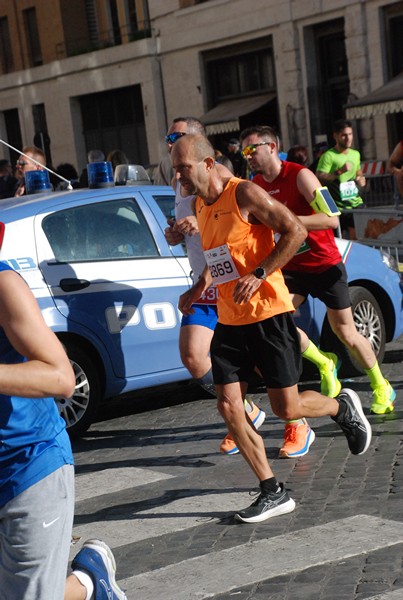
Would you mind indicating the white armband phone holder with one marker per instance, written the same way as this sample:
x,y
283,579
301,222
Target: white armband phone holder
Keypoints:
x,y
324,203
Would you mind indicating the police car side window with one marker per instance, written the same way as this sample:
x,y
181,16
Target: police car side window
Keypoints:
x,y
101,231
166,204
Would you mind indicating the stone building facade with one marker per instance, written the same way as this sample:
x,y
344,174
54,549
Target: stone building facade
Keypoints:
x,y
83,74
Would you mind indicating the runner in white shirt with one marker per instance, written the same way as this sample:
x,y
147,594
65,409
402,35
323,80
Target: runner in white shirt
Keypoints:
x,y
197,329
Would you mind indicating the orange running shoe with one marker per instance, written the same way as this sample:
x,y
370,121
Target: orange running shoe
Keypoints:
x,y
228,445
297,439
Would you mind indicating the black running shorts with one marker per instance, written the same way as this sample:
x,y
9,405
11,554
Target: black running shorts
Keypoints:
x,y
271,345
330,286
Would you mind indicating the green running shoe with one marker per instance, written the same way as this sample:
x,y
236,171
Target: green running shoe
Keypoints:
x,y
384,397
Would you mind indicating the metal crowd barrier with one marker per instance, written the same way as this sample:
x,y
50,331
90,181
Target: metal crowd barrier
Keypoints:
x,y
381,190
379,222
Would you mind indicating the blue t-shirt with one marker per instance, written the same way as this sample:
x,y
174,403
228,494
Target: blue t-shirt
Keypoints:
x,y
33,438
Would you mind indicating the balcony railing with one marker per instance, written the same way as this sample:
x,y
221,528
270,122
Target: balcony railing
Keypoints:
x,y
105,39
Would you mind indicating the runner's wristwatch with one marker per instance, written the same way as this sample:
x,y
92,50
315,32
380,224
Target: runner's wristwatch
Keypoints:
x,y
260,273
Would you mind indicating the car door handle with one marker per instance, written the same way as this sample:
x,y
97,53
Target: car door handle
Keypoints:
x,y
71,284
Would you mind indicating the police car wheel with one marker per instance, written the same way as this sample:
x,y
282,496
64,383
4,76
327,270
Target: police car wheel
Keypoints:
x,y
80,409
370,323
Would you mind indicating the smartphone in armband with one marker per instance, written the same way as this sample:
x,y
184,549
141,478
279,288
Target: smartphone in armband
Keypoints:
x,y
324,203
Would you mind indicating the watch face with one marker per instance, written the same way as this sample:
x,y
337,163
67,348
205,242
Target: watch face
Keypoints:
x,y
260,273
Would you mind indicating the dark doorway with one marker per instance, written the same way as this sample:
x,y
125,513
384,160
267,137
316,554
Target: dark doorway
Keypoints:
x,y
393,19
115,120
330,94
13,131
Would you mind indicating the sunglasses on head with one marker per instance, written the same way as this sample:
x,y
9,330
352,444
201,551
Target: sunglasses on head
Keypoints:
x,y
251,149
172,137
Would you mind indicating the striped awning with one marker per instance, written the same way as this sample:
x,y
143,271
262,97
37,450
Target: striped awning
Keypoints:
x,y
385,100
224,117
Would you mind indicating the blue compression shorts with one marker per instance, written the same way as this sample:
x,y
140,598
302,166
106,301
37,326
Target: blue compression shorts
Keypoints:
x,y
204,315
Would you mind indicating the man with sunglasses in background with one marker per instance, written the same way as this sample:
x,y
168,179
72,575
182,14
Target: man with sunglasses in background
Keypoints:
x,y
24,164
197,329
317,269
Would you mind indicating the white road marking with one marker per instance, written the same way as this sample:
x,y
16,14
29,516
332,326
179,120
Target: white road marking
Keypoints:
x,y
220,572
395,595
163,518
109,481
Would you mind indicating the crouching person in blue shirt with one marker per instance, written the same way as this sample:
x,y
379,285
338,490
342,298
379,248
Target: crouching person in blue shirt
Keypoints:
x,y
36,463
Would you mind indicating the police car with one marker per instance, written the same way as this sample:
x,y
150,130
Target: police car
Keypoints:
x,y
108,285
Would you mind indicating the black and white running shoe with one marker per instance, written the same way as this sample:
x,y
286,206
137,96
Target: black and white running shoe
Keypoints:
x,y
354,423
267,506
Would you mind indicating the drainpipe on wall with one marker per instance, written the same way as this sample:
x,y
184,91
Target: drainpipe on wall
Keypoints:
x,y
156,37
17,24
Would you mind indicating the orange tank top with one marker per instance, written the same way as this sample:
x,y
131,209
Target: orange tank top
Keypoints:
x,y
221,224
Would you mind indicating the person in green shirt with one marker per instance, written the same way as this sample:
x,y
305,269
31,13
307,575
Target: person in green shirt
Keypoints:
x,y
339,168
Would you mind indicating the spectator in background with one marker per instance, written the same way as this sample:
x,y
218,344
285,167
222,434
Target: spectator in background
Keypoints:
x,y
164,172
394,166
235,156
92,157
24,164
69,172
117,157
8,182
224,160
318,150
95,156
298,154
281,154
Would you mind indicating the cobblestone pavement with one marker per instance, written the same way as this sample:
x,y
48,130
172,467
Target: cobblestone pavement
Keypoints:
x,y
151,482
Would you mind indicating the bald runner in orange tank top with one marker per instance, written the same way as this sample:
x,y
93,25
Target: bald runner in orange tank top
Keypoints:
x,y
220,225
236,221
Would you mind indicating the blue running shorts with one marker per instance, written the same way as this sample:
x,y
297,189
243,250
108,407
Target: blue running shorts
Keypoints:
x,y
204,315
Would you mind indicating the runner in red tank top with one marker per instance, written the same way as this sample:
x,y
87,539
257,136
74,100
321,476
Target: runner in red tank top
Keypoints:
x,y
317,269
394,166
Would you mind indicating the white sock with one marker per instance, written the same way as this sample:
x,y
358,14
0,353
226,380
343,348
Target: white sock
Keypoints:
x,y
86,581
248,406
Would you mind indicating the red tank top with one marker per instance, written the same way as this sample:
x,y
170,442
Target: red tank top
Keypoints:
x,y
319,251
